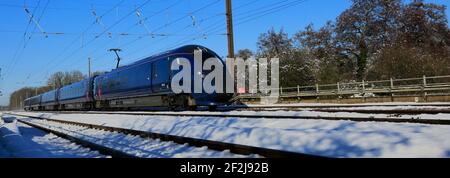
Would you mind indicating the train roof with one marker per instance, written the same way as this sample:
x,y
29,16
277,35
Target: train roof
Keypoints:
x,y
183,49
49,92
33,97
75,83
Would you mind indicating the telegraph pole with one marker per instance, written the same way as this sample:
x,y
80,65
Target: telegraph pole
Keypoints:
x,y
89,67
230,29
116,50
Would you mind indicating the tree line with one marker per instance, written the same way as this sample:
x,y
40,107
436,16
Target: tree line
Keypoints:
x,y
372,40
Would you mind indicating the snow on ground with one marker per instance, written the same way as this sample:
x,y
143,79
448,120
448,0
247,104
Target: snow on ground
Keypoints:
x,y
319,137
20,140
393,108
3,152
135,145
308,113
335,114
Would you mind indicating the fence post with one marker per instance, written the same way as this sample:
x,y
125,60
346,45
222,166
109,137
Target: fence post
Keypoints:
x,y
424,93
317,92
424,81
338,92
298,89
392,87
364,91
281,94
338,87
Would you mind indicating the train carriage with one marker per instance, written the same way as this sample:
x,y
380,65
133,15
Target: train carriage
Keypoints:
x,y
35,103
76,96
26,104
49,100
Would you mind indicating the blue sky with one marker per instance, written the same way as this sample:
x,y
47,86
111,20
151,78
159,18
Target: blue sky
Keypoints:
x,y
29,61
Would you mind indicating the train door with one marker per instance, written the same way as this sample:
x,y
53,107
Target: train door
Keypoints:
x,y
161,75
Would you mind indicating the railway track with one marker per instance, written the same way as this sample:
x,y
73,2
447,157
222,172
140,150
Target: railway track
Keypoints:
x,y
194,142
353,110
390,111
93,146
365,109
393,119
321,106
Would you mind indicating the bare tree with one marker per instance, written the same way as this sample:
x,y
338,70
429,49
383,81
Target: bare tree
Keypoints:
x,y
364,28
294,69
60,79
98,73
319,51
421,47
56,80
244,53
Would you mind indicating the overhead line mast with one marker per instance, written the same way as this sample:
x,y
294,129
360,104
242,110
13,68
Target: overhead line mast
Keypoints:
x,y
230,29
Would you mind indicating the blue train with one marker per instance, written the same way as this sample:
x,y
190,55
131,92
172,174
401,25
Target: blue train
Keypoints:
x,y
144,84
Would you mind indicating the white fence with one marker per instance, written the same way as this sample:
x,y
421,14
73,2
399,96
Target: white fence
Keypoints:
x,y
424,86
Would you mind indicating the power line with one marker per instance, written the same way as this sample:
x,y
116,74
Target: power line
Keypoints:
x,y
218,25
167,24
173,22
31,35
245,19
136,24
79,37
203,35
268,9
102,33
247,16
137,8
35,7
20,44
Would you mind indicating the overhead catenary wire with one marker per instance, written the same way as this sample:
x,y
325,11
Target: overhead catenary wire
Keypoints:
x,y
103,32
214,30
165,26
136,24
22,42
27,40
216,25
177,20
33,32
77,39
260,12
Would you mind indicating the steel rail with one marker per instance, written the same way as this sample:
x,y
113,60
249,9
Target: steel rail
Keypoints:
x,y
101,149
212,145
414,120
